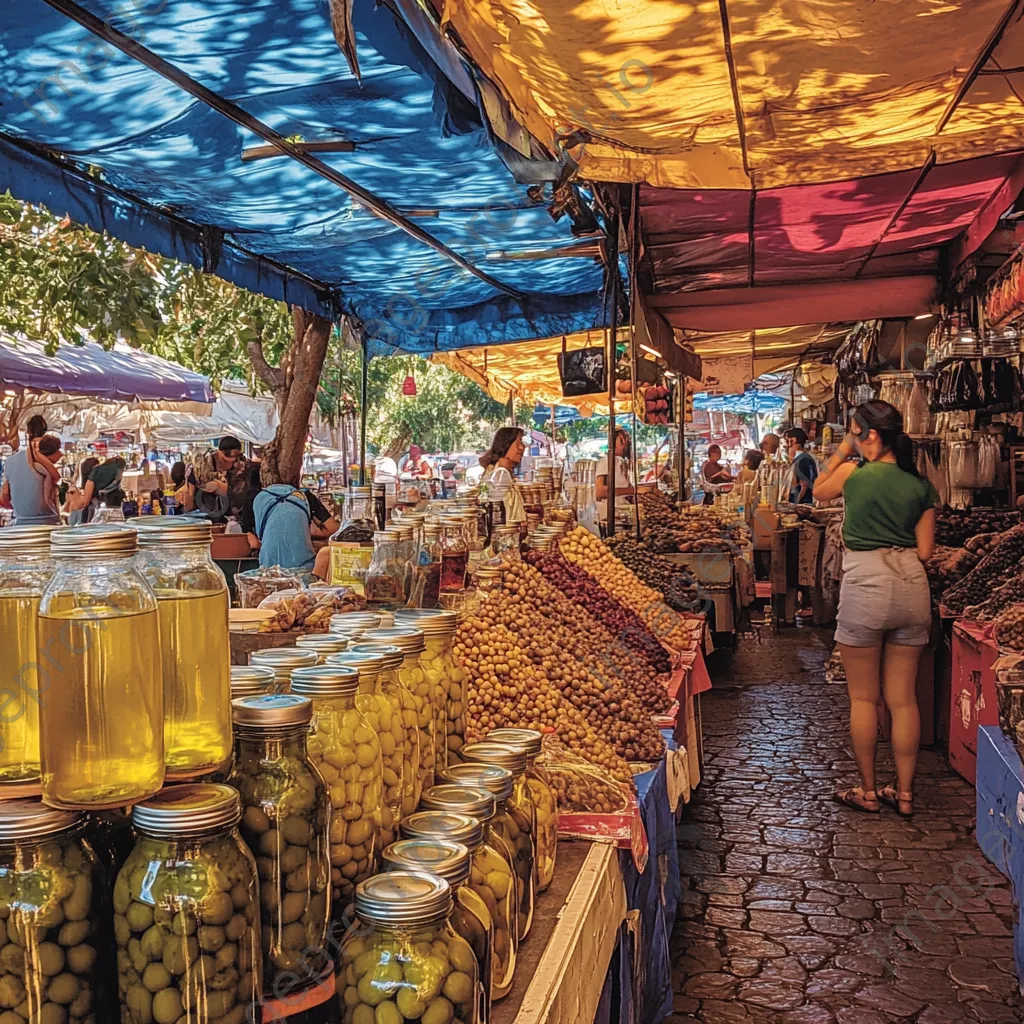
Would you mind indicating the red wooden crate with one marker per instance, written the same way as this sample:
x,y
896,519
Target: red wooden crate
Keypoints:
x,y
972,699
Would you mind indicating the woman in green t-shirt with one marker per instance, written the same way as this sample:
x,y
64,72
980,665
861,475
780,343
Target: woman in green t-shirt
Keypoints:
x,y
884,617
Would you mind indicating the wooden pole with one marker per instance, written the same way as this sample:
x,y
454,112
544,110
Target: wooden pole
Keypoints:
x,y
613,292
364,378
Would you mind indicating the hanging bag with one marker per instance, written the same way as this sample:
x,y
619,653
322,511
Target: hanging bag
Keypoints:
x,y
582,371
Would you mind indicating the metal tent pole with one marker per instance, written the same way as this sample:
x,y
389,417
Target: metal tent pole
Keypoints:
x,y
613,292
363,388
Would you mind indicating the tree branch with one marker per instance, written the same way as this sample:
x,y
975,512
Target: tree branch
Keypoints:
x,y
270,375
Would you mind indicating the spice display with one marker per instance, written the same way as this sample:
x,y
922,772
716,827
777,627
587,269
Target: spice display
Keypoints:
x,y
54,904
285,810
98,617
699,528
954,526
407,963
1002,598
345,749
454,555
676,583
186,917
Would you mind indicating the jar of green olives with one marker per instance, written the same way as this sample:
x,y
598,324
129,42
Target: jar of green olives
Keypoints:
x,y
285,812
470,918
545,802
414,679
402,960
511,824
446,677
186,912
54,919
283,660
346,751
491,874
251,680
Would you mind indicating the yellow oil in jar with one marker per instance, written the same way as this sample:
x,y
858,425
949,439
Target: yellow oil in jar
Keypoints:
x,y
101,708
197,680
19,707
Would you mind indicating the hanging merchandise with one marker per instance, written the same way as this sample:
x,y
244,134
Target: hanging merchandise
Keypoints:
x,y
582,371
858,352
409,386
988,461
918,419
963,465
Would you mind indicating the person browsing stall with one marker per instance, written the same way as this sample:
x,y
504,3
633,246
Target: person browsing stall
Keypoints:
x,y
283,522
104,478
884,618
29,486
803,468
623,473
713,474
499,464
184,480
223,480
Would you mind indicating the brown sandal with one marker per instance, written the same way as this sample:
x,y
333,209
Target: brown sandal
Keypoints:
x,y
891,797
859,799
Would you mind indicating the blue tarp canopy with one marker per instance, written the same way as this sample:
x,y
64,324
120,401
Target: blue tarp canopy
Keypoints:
x,y
87,130
749,402
563,414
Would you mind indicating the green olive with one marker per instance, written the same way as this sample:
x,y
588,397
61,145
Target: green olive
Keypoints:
x,y
63,989
81,959
122,931
140,916
211,938
235,928
12,991
82,1003
458,987
122,894
292,907
387,1013
218,908
155,977
12,961
364,1014
293,857
76,906
73,932
167,1007
350,996
255,820
153,942
296,831
179,955
51,1013
50,958
409,1003
271,843
184,924
440,1011
461,956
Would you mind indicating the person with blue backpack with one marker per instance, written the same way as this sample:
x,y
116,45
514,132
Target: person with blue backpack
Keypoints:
x,y
283,521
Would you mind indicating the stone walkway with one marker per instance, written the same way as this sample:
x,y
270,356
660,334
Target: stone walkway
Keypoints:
x,y
798,911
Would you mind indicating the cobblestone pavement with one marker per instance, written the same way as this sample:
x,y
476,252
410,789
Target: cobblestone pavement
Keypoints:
x,y
796,910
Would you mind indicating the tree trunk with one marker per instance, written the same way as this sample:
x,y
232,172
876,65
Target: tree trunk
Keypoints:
x,y
294,385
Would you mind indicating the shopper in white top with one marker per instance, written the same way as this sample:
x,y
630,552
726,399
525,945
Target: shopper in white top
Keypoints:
x,y
623,473
499,463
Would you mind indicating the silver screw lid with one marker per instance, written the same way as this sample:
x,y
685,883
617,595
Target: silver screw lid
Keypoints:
x,y
251,680
323,643
367,664
160,531
284,660
34,540
271,711
505,755
442,857
497,781
392,656
529,739
433,621
86,541
459,828
409,639
325,681
188,810
460,798
403,897
31,819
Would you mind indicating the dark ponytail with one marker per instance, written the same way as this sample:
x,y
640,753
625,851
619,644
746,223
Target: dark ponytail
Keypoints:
x,y
887,421
504,438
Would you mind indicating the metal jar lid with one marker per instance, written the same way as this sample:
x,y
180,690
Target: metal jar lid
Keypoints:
x,y
403,897
32,819
88,541
325,681
442,857
392,656
271,711
367,664
529,740
160,531
459,798
284,660
433,622
188,810
497,781
505,755
323,643
29,540
251,680
409,639
459,828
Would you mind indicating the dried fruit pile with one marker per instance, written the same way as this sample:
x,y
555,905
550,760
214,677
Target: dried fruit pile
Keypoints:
x,y
954,526
674,581
1008,627
999,600
699,529
991,572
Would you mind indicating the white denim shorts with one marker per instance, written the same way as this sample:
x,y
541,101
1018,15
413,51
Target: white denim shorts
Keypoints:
x,y
883,598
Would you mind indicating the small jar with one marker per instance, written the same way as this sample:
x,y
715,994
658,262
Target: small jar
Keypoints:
x,y
25,569
186,912
285,811
346,752
446,810
284,661
505,543
323,644
385,577
251,680
488,580
470,918
352,543
427,571
101,722
446,677
454,555
55,907
192,605
403,534
545,802
508,823
414,679
404,954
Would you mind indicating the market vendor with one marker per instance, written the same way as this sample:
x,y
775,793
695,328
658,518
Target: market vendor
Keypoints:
x,y
284,523
713,474
223,480
803,468
499,464
415,465
184,480
623,474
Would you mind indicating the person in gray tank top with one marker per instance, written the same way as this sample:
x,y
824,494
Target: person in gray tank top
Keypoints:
x,y
28,487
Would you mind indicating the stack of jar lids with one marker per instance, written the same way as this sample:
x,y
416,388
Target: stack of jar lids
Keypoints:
x,y
460,799
94,540
403,897
323,643
441,857
188,810
31,539
459,828
497,781
251,680
28,819
325,681
165,530
271,711
488,752
410,640
431,621
284,661
367,664
529,740
354,622
392,656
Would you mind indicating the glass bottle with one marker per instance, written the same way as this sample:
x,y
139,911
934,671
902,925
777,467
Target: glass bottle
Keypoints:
x,y
452,861
55,906
446,677
380,505
284,661
251,680
501,784
445,810
385,577
101,724
454,555
186,912
25,569
352,543
324,644
414,679
285,811
427,583
404,954
407,552
346,751
545,802
192,606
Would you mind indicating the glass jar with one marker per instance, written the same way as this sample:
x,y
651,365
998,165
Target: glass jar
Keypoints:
x,y
454,554
427,577
392,660
325,644
488,580
414,679
446,811
284,661
25,570
352,543
446,677
545,802
501,784
192,605
505,543
186,912
285,811
251,680
379,700
470,918
385,577
55,908
101,725
346,752
379,493
404,960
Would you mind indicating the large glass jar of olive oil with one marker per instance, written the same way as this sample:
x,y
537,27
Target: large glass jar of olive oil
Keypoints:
x,y
192,604
25,569
101,709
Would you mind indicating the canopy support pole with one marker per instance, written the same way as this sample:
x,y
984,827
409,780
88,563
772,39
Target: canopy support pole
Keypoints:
x,y
234,112
634,260
613,294
364,377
